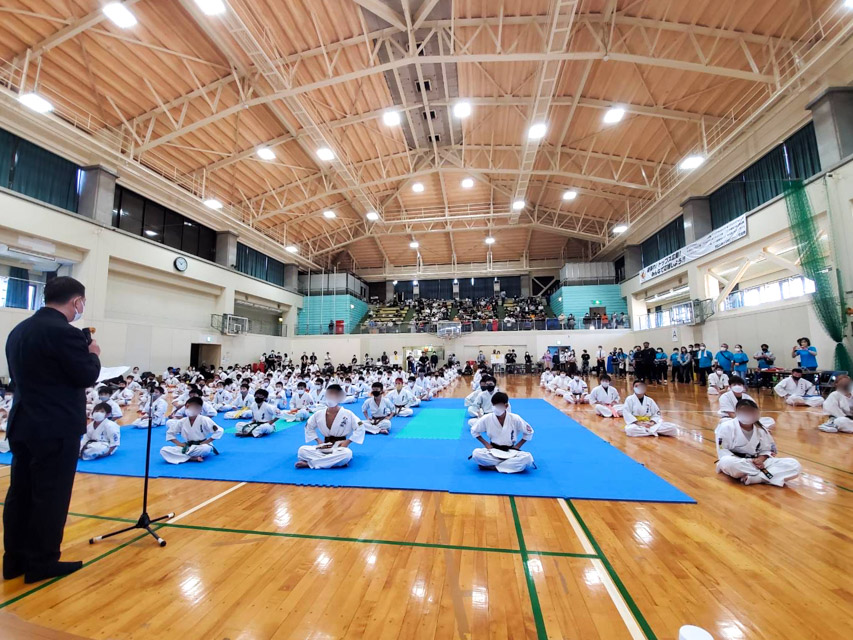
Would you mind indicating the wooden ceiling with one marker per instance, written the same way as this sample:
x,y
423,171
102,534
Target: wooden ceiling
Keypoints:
x,y
194,96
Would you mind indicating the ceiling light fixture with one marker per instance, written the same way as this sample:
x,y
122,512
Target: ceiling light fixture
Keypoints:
x,y
418,187
211,7
570,195
462,110
291,248
691,162
372,216
620,228
119,14
35,102
614,115
414,244
328,213
467,183
537,131
265,153
490,240
518,205
213,203
325,154
391,118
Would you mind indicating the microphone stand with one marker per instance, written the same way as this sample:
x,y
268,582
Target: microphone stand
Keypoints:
x,y
145,521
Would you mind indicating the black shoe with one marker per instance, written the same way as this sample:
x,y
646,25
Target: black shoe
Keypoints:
x,y
53,571
13,568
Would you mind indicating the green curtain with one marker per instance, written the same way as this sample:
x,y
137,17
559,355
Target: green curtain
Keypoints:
x,y
666,241
17,288
765,179
8,144
802,154
728,202
828,306
44,176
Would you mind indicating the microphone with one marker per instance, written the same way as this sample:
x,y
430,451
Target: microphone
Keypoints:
x,y
87,333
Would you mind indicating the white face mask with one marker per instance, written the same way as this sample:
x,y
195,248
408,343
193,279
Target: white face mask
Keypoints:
x,y
500,410
79,314
737,388
639,390
192,412
746,418
332,402
605,384
98,416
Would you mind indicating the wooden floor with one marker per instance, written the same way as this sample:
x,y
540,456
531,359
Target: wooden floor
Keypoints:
x,y
261,561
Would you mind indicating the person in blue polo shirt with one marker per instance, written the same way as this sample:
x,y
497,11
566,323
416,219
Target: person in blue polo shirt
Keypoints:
x,y
765,357
806,353
725,358
740,360
704,357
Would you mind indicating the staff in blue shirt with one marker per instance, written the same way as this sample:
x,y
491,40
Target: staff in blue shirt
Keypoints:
x,y
724,358
675,359
704,357
765,357
806,353
740,360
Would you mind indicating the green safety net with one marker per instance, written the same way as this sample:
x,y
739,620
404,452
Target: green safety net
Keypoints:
x,y
828,306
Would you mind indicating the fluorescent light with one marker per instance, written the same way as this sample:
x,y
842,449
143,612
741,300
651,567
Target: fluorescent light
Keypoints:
x,y
291,248
372,216
490,240
391,118
537,131
614,115
213,203
394,283
325,154
415,282
150,233
455,281
518,205
570,195
119,14
265,153
418,187
620,228
35,102
462,110
691,162
328,213
211,7
467,183
414,244
848,4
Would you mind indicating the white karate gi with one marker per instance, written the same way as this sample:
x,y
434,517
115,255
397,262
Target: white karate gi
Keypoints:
x,y
559,384
577,393
345,425
158,414
733,444
839,407
402,400
728,402
545,378
605,401
481,405
99,440
502,435
261,416
798,392
223,400
644,418
201,428
382,410
716,383
301,407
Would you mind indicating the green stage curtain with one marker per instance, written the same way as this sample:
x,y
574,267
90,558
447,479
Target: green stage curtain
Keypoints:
x,y
44,176
18,288
728,202
802,154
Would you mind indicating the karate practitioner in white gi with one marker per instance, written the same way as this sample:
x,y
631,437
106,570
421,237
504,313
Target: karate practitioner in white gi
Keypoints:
x,y
718,382
264,417
642,415
156,407
377,411
747,451
578,391
839,407
402,399
191,437
605,399
507,433
333,428
102,437
798,391
482,402
729,400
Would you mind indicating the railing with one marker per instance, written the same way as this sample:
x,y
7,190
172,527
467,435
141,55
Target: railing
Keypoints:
x,y
16,293
692,312
474,326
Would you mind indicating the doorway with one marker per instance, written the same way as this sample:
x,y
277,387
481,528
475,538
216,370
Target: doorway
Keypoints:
x,y
209,355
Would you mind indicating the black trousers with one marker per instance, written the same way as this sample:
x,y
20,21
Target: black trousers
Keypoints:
x,y
37,500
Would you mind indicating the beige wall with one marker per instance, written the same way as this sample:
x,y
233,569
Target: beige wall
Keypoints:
x,y
145,312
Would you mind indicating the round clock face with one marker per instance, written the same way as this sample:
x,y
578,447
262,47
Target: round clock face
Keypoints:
x,y
181,264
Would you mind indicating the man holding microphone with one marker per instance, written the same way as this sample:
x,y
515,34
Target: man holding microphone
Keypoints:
x,y
48,358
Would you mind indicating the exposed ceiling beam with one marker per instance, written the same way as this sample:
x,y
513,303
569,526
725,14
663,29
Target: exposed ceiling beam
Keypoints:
x,y
382,10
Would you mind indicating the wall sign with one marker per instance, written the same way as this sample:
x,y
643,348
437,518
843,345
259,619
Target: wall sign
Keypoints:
x,y
718,238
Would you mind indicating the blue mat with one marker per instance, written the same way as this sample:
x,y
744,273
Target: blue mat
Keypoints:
x,y
428,451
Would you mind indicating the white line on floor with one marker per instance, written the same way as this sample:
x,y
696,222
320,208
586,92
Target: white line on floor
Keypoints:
x,y
205,503
604,576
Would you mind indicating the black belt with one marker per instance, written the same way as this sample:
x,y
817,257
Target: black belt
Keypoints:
x,y
502,447
191,443
334,439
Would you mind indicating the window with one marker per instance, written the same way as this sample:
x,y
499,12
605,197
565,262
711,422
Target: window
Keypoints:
x,y
131,213
152,226
173,228
769,293
189,240
256,264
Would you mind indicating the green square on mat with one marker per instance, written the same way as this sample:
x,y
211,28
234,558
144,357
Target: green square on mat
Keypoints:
x,y
434,424
280,425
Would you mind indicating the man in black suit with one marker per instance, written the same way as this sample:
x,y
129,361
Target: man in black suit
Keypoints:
x,y
648,356
51,364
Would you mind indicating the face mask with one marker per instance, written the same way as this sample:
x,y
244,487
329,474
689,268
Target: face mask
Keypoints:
x,y
639,390
79,314
376,394
577,378
259,399
702,347
724,348
98,416
737,388
490,388
499,410
103,398
605,384
156,396
300,391
192,413
738,349
332,402
746,418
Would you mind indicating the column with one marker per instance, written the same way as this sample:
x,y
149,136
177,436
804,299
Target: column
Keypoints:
x,y
226,248
389,290
97,194
291,277
697,218
633,260
832,113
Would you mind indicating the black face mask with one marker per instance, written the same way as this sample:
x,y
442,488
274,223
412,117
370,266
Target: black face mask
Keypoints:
x,y
376,394
490,387
259,399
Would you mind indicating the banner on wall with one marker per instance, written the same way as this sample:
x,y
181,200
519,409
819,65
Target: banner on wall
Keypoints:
x,y
718,238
